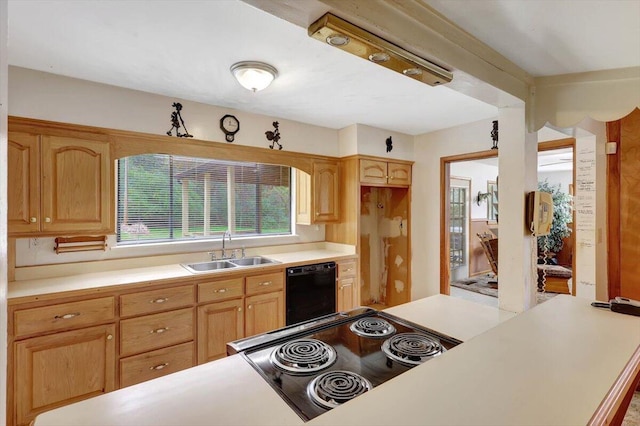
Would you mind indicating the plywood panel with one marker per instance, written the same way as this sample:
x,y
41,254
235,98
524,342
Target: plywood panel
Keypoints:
x,y
630,205
478,263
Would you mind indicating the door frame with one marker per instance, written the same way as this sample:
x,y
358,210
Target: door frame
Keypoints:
x,y
445,163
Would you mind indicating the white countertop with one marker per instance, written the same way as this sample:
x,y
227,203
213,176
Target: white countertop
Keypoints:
x,y
224,392
553,364
105,279
451,316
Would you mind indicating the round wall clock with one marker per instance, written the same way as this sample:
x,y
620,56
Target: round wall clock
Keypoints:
x,y
230,126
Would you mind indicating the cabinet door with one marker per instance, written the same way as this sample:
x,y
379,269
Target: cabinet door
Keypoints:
x,y
346,296
55,370
372,171
399,174
326,191
218,323
264,312
304,205
23,185
76,185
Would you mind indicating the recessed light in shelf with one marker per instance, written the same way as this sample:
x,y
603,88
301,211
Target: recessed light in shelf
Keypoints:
x,y
342,34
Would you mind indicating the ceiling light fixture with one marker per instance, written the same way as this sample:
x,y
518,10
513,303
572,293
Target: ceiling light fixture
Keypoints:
x,y
350,38
253,75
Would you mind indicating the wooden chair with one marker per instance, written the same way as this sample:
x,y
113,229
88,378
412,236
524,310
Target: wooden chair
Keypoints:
x,y
490,246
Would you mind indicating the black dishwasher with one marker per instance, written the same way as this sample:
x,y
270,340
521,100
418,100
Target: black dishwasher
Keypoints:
x,y
311,291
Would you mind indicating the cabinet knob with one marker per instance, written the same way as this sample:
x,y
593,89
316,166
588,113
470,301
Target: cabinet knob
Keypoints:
x,y
390,177
33,219
239,309
159,300
110,337
249,307
47,219
159,330
159,366
317,213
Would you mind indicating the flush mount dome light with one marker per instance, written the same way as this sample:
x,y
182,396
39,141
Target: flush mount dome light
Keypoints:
x,y
379,57
253,75
338,40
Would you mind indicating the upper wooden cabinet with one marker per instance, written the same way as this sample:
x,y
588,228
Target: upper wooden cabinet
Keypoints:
x,y
385,173
59,184
317,195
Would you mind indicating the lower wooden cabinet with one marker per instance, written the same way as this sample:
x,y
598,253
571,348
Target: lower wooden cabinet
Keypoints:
x,y
154,364
62,368
219,323
346,297
264,312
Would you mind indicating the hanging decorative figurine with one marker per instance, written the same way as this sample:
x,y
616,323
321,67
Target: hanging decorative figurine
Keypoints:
x,y
177,121
389,144
494,135
274,136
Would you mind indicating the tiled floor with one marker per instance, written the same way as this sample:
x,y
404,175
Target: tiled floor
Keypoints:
x,y
632,418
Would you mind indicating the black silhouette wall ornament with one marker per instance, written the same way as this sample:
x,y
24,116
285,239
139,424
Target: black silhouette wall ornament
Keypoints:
x,y
177,121
494,135
274,136
389,144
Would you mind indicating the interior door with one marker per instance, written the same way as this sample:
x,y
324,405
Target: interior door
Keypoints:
x,y
623,207
459,190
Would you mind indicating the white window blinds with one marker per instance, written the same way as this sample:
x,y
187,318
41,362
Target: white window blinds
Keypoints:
x,y
163,197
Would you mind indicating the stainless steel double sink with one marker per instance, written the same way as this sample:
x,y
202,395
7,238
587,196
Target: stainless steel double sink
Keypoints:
x,y
215,265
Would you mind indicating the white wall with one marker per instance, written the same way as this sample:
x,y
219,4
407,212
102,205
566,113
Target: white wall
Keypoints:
x,y
3,208
425,199
561,177
52,97
479,173
372,141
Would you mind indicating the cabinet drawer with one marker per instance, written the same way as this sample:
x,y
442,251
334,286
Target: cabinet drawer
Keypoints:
x,y
220,290
155,331
265,283
63,316
347,269
143,367
148,302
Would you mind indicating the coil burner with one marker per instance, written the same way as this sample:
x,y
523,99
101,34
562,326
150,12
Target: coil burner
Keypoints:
x,y
303,356
372,327
412,348
333,388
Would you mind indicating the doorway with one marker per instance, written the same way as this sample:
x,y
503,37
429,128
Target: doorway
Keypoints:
x,y
483,217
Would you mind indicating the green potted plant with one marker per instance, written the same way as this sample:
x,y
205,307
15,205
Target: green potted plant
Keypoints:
x,y
552,243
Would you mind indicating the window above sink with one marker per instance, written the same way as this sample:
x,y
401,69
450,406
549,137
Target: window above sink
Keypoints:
x,y
164,198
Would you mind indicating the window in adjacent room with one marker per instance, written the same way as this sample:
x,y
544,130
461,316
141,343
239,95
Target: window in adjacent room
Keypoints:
x,y
169,198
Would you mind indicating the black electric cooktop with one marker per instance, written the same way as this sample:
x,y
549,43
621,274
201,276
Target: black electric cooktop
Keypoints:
x,y
323,363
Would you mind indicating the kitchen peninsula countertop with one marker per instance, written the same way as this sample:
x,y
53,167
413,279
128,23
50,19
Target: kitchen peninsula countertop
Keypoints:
x,y
95,281
553,364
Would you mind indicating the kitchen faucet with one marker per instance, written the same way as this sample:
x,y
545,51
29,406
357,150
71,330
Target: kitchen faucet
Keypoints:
x,y
227,232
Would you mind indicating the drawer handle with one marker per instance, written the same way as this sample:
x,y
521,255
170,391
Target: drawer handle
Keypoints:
x,y
159,300
348,270
221,290
67,316
160,330
265,283
345,285
159,366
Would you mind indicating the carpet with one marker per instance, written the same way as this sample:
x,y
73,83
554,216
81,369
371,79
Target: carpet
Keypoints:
x,y
480,284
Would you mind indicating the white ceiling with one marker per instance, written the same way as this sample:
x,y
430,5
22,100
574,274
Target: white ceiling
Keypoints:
x,y
184,50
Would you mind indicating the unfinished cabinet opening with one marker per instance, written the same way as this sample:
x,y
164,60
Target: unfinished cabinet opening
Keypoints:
x,y
384,246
